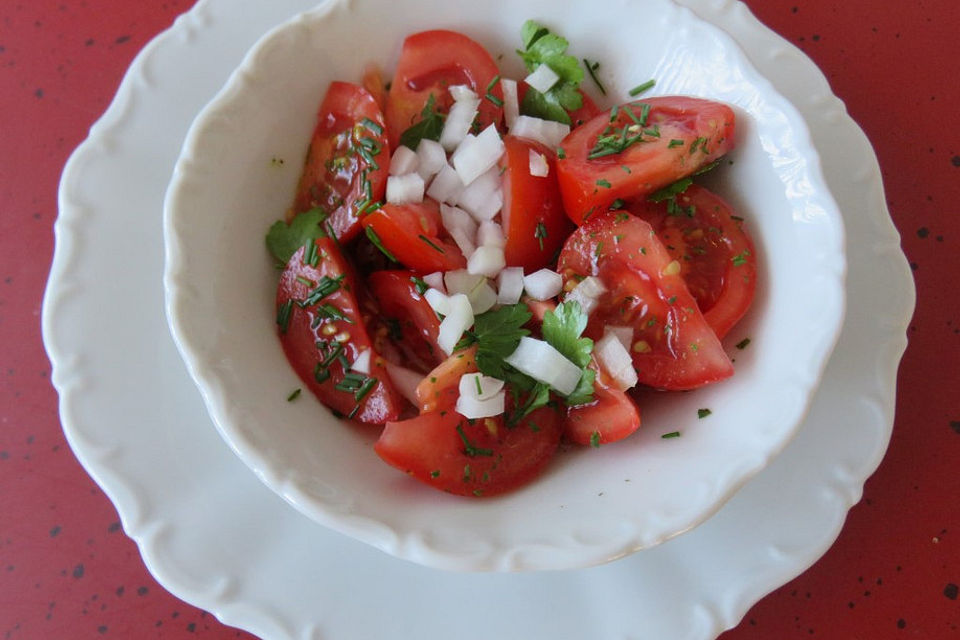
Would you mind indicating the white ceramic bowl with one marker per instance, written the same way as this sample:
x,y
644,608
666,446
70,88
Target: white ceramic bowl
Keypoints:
x,y
592,505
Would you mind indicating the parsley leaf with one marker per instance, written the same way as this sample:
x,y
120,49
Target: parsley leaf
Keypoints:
x,y
543,47
562,329
497,334
429,127
283,240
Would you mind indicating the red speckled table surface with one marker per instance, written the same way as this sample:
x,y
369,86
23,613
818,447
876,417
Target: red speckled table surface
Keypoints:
x,y
68,571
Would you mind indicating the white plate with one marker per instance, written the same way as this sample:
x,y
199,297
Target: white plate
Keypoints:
x,y
215,536
591,506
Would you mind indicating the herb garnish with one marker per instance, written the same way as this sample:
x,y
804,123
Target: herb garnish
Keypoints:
x,y
640,88
429,127
543,47
283,240
703,413
592,69
378,243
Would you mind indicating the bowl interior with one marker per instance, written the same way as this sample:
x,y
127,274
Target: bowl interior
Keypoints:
x,y
237,175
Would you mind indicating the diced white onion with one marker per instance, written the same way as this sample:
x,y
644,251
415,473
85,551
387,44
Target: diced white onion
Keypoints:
x,y
543,284
511,102
404,161
405,381
542,362
461,227
461,92
543,78
405,189
616,360
362,363
539,167
455,323
481,295
486,260
623,334
458,123
548,132
479,154
482,198
483,298
447,186
472,408
435,281
510,285
490,234
438,301
587,293
479,386
431,158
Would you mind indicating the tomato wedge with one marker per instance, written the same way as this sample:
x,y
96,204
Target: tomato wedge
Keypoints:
x,y
413,325
612,416
322,333
532,216
441,386
471,457
347,162
412,234
673,347
430,63
632,150
717,258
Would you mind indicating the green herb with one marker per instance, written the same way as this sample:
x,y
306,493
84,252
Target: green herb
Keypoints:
x,y
283,315
640,88
430,242
591,69
320,373
419,285
294,395
429,127
283,240
305,281
562,329
310,255
489,96
435,474
540,233
698,142
375,239
703,413
672,299
671,191
324,288
743,343
595,439
330,312
617,204
543,47
672,434
561,153
537,397
365,389
373,126
704,169
675,143
741,258
497,334
603,183
470,449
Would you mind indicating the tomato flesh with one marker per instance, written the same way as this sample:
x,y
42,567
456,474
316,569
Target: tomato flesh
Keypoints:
x,y
347,162
673,347
532,217
412,324
430,63
413,234
717,258
612,416
334,323
683,135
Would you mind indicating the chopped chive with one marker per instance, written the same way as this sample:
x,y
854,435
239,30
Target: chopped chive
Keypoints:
x,y
613,112
334,353
479,387
743,343
644,113
696,143
672,434
429,242
603,183
675,143
591,69
435,474
365,389
373,126
640,88
330,312
595,439
310,256
540,233
469,448
375,239
617,204
561,153
353,412
704,169
283,315
741,258
494,99
294,395
703,413
324,288
671,299
419,284
493,83
305,281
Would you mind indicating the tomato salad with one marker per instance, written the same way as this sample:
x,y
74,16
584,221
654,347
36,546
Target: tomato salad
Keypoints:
x,y
488,267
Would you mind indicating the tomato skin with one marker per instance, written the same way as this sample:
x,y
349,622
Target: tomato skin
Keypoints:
x,y
432,449
299,339
673,346
396,295
412,233
431,62
612,416
646,166
529,202
335,141
717,257
441,386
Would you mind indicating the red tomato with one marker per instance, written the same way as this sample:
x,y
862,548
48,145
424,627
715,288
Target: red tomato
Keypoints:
x,y
716,255
412,324
373,82
441,386
347,162
431,62
612,416
673,346
678,136
532,216
323,334
481,457
412,233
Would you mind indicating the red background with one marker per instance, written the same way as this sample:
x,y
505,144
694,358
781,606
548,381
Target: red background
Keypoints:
x,y
68,571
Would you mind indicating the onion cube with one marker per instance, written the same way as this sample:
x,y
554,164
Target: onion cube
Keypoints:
x,y
461,227
543,78
623,334
616,360
586,293
486,260
455,323
472,408
438,301
403,161
548,132
431,157
479,156
447,186
490,234
461,92
405,189
511,102
435,281
540,361
458,122
510,285
543,284
482,198
362,363
539,167
479,386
